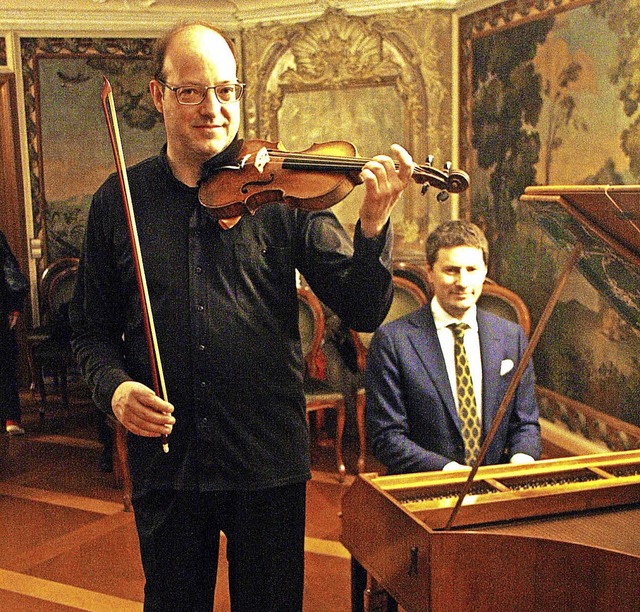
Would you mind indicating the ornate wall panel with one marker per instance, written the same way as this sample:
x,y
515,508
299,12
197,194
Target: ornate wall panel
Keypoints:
x,y
371,80
549,96
69,151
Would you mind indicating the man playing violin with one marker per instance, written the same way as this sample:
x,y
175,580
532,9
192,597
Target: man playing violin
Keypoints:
x,y
225,307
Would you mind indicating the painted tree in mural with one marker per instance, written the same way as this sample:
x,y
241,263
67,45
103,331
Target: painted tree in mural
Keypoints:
x,y
507,102
560,107
622,19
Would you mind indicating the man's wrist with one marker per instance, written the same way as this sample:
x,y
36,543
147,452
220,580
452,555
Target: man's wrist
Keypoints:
x,y
371,229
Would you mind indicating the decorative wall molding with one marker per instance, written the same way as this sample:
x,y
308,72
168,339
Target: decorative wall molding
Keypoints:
x,y
128,17
586,422
495,15
336,51
408,52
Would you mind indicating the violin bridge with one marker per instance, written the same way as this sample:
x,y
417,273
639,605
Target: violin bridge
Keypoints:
x,y
262,159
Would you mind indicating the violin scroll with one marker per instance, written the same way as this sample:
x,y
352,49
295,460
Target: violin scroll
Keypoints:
x,y
447,180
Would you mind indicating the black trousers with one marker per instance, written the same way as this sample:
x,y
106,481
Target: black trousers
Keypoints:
x,y
9,395
179,534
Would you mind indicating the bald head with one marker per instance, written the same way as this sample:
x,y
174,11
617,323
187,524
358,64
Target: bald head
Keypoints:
x,y
161,44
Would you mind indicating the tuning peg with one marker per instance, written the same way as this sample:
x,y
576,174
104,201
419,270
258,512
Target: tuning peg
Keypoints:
x,y
429,163
447,167
442,196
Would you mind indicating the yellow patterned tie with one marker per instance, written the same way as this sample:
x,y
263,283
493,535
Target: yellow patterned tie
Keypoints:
x,y
467,408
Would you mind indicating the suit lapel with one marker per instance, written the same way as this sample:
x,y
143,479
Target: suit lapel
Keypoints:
x,y
424,338
491,354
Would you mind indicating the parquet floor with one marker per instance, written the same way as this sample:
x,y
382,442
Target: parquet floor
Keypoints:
x,y
67,544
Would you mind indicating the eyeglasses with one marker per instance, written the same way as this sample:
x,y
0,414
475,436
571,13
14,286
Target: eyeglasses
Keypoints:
x,y
191,95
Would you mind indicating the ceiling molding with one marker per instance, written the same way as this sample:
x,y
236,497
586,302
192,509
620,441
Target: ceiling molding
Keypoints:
x,y
125,23
132,17
467,7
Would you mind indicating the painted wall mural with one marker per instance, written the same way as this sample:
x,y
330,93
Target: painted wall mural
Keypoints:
x,y
549,96
69,149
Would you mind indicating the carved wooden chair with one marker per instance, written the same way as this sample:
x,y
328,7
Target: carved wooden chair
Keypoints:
x,y
407,297
416,273
49,344
506,304
321,388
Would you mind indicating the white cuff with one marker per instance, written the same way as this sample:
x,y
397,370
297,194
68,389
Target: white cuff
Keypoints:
x,y
454,465
519,458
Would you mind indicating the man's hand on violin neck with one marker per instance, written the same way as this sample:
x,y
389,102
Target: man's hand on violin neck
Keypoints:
x,y
383,184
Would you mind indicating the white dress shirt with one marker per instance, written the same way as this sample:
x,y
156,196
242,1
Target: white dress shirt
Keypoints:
x,y
471,345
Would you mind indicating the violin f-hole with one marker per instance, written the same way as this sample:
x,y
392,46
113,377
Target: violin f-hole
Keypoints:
x,y
257,183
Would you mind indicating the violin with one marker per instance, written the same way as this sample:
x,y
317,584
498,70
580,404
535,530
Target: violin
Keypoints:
x,y
313,179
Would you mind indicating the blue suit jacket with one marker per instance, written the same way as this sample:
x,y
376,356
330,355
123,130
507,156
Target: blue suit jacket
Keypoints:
x,y
412,420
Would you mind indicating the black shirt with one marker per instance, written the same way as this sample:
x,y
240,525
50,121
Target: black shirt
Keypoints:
x,y
225,310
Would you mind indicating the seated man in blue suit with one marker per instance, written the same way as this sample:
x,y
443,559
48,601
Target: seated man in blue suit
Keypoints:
x,y
410,380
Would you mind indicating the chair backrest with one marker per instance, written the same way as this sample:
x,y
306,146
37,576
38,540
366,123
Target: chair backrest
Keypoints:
x,y
416,273
61,289
506,304
56,286
311,324
407,297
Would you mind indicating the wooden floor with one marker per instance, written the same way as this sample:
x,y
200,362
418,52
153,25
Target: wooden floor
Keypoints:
x,y
67,544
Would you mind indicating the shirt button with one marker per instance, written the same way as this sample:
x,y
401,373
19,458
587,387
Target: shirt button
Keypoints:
x,y
203,384
201,347
198,269
205,420
199,308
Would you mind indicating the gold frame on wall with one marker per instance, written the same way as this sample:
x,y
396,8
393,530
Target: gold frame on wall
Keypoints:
x,y
341,55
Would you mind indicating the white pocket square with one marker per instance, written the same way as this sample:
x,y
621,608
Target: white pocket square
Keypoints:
x,y
506,366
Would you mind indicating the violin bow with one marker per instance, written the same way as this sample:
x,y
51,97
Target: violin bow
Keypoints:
x,y
109,108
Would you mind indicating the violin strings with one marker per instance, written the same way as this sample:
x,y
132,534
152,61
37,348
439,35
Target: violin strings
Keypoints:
x,y
322,160
319,159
